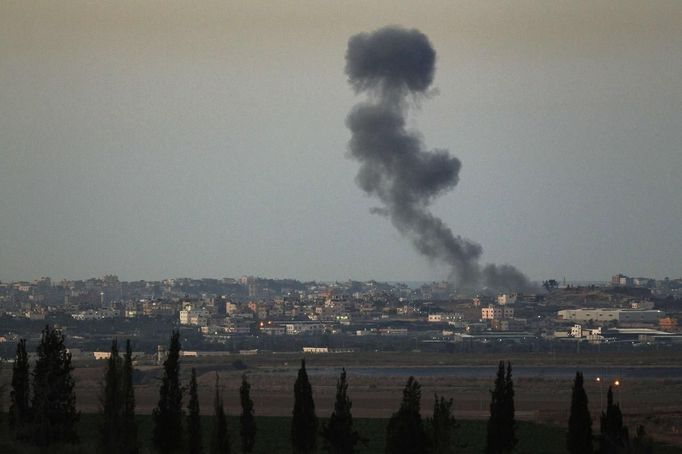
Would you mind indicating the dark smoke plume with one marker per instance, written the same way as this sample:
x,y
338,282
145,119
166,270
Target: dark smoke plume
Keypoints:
x,y
394,66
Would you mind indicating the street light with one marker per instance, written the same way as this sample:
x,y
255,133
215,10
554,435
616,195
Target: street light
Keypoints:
x,y
616,383
601,394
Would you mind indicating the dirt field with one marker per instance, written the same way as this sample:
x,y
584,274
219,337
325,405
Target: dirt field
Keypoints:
x,y
656,403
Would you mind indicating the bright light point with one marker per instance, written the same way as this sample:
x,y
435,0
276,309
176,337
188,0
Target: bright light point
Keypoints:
x,y
617,383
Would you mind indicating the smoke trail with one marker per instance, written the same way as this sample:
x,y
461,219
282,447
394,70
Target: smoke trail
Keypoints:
x,y
394,65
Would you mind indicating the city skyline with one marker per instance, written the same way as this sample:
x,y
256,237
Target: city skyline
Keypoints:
x,y
150,141
559,281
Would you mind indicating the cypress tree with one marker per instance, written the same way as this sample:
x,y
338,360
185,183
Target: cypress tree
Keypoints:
x,y
193,418
509,426
112,403
167,416
642,443
614,437
442,426
405,432
129,425
53,405
339,436
304,421
579,437
496,420
19,410
501,433
247,421
220,438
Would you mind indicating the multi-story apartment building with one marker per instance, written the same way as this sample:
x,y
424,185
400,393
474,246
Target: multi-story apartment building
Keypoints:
x,y
497,312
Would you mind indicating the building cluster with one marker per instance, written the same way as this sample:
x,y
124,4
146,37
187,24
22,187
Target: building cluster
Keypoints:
x,y
222,310
662,287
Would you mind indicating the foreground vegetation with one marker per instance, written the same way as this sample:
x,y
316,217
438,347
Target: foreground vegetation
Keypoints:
x,y
273,436
48,420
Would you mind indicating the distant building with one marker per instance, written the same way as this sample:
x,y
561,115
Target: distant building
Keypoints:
x,y
315,350
443,317
577,331
296,328
608,315
505,299
644,282
508,325
497,312
393,331
192,315
642,305
621,280
158,308
273,330
641,334
92,314
37,313
668,324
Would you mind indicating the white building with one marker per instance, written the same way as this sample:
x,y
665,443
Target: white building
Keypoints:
x,y
505,299
576,331
296,328
642,305
95,314
230,308
196,317
315,350
444,317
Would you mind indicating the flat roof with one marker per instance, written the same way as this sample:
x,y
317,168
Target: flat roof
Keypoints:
x,y
638,331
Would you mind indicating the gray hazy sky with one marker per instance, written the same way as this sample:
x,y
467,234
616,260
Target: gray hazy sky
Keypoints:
x,y
160,139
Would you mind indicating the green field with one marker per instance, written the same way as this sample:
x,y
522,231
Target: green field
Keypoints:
x,y
273,437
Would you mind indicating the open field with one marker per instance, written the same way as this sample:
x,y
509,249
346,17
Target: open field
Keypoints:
x,y
424,359
544,399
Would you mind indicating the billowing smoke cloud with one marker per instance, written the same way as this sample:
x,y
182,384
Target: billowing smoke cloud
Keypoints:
x,y
394,66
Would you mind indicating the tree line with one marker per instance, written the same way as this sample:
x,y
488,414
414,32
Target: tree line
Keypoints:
x,y
43,412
